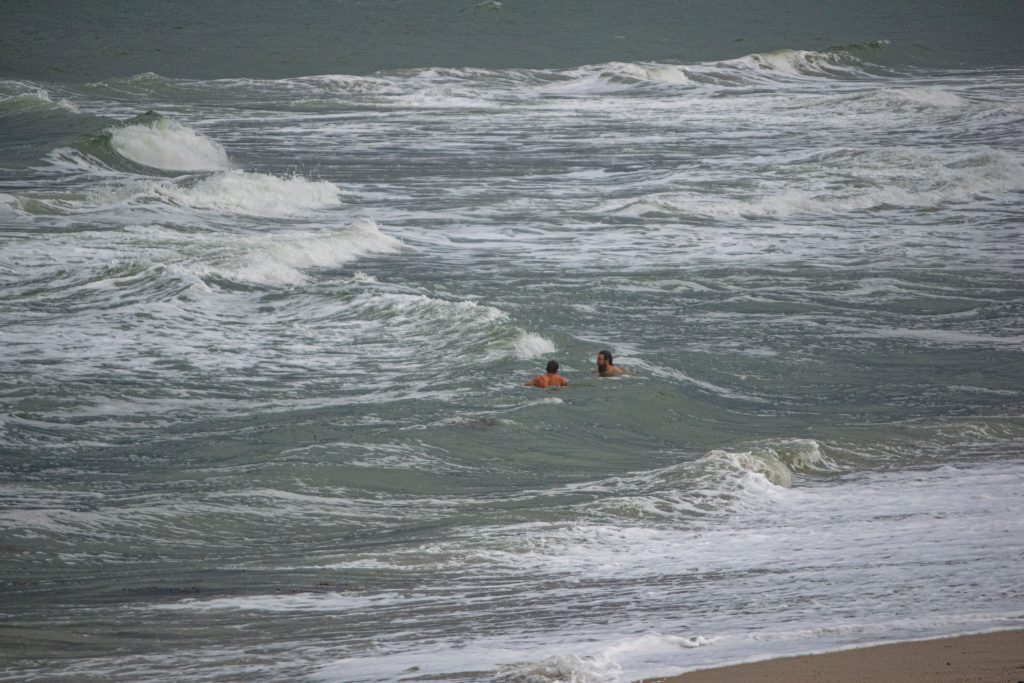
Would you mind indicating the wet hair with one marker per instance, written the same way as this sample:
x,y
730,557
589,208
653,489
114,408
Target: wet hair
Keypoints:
x,y
552,366
607,356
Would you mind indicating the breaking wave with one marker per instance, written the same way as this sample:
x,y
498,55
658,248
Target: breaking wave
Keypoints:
x,y
168,145
254,194
752,69
37,101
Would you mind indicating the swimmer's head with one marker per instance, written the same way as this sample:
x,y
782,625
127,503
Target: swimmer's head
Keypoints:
x,y
604,359
552,366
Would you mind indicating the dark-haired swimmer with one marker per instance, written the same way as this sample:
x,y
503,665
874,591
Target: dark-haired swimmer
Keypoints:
x,y
551,379
605,367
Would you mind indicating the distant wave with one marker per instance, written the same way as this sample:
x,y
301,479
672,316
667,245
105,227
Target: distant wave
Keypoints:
x,y
464,87
34,122
777,65
34,102
831,62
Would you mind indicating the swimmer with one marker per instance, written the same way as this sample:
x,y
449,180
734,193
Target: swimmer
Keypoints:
x,y
551,379
605,367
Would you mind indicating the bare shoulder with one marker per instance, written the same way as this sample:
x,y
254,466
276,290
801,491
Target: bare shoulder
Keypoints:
x,y
547,381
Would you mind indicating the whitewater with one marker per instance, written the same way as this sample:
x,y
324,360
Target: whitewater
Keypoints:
x,y
265,340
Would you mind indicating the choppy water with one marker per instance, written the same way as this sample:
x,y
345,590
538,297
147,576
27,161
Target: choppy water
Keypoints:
x,y
264,342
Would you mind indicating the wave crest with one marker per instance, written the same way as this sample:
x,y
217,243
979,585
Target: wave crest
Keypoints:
x,y
168,145
776,462
34,102
254,194
776,65
529,345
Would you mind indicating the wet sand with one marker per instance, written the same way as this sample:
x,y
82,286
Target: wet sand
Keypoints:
x,y
987,658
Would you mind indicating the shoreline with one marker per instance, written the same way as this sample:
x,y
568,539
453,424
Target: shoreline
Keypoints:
x,y
995,657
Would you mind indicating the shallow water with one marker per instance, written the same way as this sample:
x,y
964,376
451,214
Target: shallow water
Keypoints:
x,y
265,340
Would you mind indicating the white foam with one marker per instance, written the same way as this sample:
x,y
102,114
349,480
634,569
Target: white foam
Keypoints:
x,y
931,96
569,667
886,179
790,63
329,601
765,464
284,258
646,72
168,145
254,194
776,461
530,345
775,66
806,552
447,97
587,81
940,337
605,665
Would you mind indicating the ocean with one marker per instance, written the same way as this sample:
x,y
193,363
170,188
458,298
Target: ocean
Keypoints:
x,y
273,278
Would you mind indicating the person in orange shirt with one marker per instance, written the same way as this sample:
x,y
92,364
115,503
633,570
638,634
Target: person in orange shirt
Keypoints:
x,y
551,379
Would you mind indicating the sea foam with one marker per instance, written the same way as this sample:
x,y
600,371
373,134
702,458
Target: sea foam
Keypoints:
x,y
603,666
530,345
790,63
254,194
283,259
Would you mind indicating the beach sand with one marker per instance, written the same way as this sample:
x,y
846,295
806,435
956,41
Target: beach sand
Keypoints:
x,y
987,658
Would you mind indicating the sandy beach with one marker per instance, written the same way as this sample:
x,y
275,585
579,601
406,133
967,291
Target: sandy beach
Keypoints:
x,y
987,658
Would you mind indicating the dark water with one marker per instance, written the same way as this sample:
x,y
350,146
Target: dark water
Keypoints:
x,y
220,39
272,278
